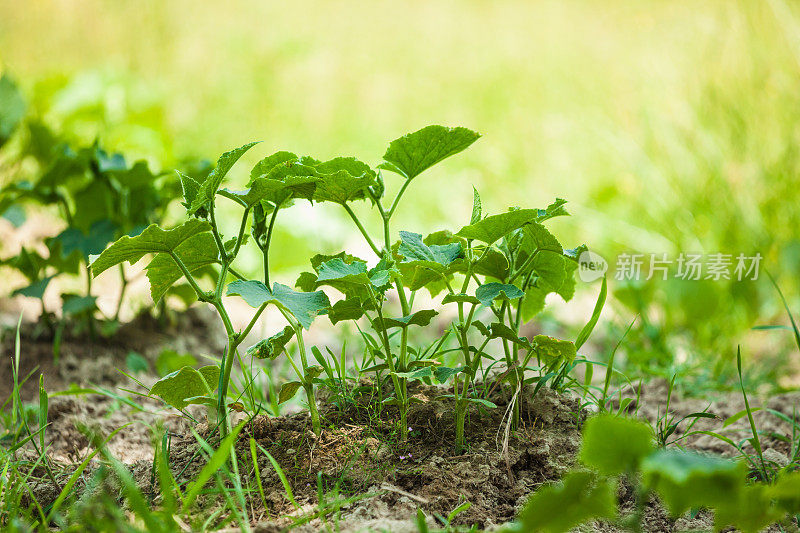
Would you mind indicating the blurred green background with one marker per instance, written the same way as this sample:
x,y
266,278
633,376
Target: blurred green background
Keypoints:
x,y
669,126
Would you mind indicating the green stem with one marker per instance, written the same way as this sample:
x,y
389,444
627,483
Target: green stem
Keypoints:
x,y
201,294
265,249
227,365
217,238
397,198
362,229
241,336
308,385
122,290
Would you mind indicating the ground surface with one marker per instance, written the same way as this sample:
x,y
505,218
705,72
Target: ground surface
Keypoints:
x,y
386,481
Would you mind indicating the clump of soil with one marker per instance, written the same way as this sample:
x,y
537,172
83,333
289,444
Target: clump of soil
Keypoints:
x,y
394,479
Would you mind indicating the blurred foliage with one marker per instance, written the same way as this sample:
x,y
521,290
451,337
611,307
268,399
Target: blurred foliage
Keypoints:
x,y
672,127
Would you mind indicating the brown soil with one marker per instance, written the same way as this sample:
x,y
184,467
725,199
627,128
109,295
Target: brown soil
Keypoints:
x,y
387,481
392,479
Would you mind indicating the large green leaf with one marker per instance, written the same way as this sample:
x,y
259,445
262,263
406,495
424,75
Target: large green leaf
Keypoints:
x,y
186,385
272,191
687,480
304,306
613,445
343,180
411,154
264,167
748,509
347,309
337,270
151,240
495,227
437,257
196,252
12,108
489,292
72,240
578,498
210,185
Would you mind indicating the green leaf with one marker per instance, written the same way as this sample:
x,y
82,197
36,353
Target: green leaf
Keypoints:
x,y
268,164
498,330
460,298
686,480
77,305
489,292
495,227
411,154
136,363
578,498
190,187
747,509
208,188
312,372
343,180
72,240
416,375
476,207
492,264
35,289
288,390
304,306
12,108
171,361
273,191
196,252
786,492
552,350
420,318
614,445
151,240
182,387
482,402
273,346
444,374
436,257
337,270
347,309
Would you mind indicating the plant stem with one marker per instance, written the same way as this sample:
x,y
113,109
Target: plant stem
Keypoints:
x,y
308,385
121,291
265,249
362,229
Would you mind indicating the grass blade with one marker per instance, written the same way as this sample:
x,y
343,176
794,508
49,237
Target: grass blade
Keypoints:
x,y
583,336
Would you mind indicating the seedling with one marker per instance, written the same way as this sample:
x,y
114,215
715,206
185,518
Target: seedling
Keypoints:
x,y
616,448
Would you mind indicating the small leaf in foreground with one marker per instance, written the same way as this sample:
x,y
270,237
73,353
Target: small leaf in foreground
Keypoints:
x,y
615,445
579,497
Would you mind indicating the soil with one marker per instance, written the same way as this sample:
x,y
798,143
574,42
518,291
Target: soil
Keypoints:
x,y
383,481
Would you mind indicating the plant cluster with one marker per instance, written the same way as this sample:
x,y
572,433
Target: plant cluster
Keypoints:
x,y
97,196
499,266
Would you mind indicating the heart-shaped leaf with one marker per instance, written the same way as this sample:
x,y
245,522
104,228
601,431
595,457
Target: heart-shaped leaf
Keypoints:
x,y
304,306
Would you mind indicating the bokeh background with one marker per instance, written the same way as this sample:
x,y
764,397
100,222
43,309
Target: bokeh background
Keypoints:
x,y
669,126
